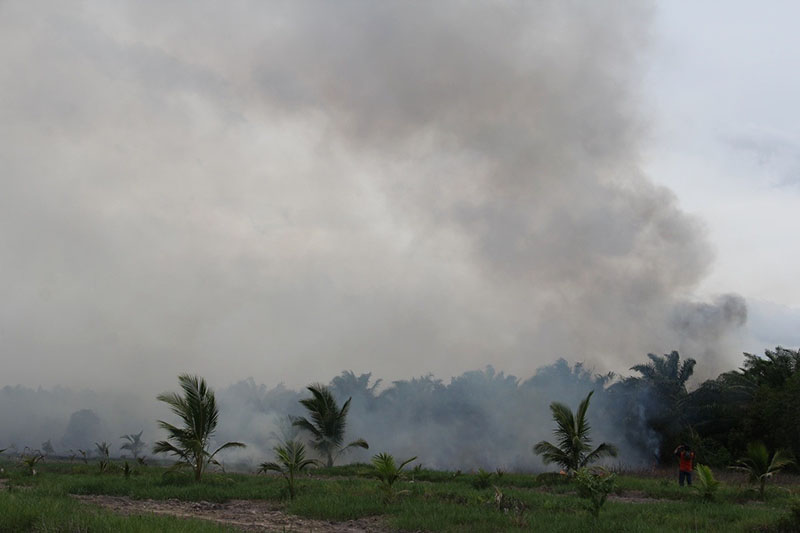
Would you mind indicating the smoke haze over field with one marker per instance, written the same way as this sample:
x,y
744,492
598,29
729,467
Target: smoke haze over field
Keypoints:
x,y
290,189
478,419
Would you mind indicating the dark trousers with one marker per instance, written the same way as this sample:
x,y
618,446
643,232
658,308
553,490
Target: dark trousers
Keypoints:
x,y
685,475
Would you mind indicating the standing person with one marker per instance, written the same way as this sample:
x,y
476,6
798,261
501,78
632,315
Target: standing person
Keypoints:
x,y
685,457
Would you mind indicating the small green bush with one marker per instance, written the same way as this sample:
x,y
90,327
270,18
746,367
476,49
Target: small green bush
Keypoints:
x,y
790,521
595,484
482,479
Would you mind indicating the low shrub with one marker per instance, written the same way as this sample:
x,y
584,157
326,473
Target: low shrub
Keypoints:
x,y
595,484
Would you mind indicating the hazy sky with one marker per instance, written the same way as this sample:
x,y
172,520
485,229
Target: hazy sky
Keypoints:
x,y
285,190
721,93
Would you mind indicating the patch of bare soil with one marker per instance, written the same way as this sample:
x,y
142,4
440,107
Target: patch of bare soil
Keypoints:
x,y
634,496
246,515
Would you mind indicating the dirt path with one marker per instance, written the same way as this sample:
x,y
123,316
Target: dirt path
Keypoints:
x,y
246,515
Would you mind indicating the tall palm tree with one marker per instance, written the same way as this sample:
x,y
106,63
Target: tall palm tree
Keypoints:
x,y
657,401
327,423
572,451
774,369
759,466
358,387
667,371
197,408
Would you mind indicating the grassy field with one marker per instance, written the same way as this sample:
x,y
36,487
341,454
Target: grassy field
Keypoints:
x,y
427,500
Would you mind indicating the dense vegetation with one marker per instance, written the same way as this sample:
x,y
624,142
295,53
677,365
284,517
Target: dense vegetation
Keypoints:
x,y
647,414
720,418
480,419
758,402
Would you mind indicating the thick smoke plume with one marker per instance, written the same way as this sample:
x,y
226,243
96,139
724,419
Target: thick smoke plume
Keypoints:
x,y
287,189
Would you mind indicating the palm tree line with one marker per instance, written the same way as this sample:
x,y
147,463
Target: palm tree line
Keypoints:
x,y
475,416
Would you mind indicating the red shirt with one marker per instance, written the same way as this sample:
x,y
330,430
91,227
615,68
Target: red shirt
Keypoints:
x,y
685,460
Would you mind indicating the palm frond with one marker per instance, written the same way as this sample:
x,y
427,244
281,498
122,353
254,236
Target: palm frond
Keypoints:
x,y
552,454
303,423
647,371
582,427
686,371
781,459
358,443
270,467
226,446
163,446
603,450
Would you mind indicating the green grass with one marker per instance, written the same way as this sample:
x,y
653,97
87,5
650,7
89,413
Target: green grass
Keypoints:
x,y
338,499
45,510
433,501
150,483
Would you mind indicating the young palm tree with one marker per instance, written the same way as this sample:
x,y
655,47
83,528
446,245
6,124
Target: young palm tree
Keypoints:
x,y
706,484
197,408
134,444
759,466
31,460
327,424
291,460
388,472
103,455
572,431
47,448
